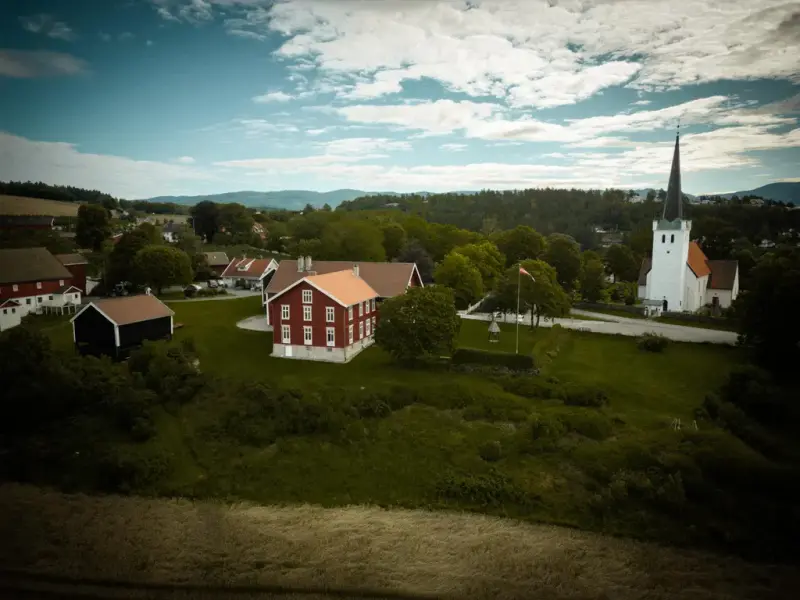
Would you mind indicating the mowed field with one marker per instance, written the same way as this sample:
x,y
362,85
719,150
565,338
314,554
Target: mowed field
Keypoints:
x,y
369,550
18,205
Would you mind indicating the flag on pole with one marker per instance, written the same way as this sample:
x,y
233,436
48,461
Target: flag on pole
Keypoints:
x,y
524,272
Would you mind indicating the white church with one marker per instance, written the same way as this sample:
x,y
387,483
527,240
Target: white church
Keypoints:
x,y
679,277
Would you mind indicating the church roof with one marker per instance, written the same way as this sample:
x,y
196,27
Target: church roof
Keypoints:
x,y
673,205
697,261
723,274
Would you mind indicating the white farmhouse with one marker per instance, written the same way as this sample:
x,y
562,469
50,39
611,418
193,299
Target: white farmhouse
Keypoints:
x,y
679,277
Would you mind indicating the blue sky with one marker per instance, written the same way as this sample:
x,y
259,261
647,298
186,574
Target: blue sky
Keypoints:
x,y
140,98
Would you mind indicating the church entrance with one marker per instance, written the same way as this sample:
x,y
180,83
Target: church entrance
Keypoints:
x,y
664,305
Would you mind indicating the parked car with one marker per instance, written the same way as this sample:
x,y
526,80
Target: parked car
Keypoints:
x,y
190,291
212,283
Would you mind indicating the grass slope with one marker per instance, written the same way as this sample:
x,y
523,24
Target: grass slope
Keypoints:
x,y
442,555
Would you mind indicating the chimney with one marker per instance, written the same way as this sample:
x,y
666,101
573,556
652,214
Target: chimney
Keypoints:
x,y
300,264
308,263
355,270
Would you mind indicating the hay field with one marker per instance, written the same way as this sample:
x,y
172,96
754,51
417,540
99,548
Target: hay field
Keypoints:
x,y
443,555
18,205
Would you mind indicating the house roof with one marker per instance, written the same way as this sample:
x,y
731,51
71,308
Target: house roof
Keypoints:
x,y
130,309
65,288
247,268
723,274
345,287
19,265
9,302
72,259
697,261
387,279
647,264
30,220
216,259
171,227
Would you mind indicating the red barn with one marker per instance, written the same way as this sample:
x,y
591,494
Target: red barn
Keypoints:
x,y
329,317
76,264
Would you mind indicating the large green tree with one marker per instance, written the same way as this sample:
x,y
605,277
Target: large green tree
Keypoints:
x,y
487,259
458,273
593,279
236,220
422,322
205,216
769,323
94,226
621,263
161,266
413,252
394,238
353,239
119,264
564,254
520,243
542,294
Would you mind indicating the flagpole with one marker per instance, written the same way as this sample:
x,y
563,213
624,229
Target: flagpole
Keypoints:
x,y
519,275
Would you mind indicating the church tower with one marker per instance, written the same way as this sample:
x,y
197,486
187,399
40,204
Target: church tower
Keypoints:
x,y
667,278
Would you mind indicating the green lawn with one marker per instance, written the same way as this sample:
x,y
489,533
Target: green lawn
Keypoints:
x,y
722,325
429,453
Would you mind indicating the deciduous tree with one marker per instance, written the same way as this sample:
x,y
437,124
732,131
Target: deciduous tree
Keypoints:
x,y
423,322
413,252
458,273
621,263
520,243
93,226
487,259
353,239
542,294
394,238
206,219
593,280
160,266
564,254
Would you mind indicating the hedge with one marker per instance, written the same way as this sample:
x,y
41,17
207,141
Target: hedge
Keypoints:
x,y
515,362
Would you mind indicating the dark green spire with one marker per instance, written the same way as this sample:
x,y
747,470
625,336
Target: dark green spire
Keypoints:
x,y
673,205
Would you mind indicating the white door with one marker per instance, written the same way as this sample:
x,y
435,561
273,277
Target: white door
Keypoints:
x,y
288,351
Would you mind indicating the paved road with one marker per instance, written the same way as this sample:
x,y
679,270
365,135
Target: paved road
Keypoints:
x,y
631,327
231,295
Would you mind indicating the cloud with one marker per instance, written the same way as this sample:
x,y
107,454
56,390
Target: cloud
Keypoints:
x,y
125,35
641,103
39,63
47,25
106,37
185,160
149,43
272,97
453,147
60,163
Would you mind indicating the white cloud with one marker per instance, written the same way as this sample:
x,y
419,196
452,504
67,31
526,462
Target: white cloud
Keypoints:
x,y
106,37
39,63
642,102
363,146
60,163
453,147
47,25
125,35
185,160
272,97
149,43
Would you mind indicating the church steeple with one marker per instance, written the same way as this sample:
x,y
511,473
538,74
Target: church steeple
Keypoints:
x,y
673,205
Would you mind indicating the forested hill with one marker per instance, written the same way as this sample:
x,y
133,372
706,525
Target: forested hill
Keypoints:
x,y
579,212
64,193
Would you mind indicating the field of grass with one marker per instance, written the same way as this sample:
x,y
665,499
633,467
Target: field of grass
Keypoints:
x,y
722,325
432,452
408,554
18,205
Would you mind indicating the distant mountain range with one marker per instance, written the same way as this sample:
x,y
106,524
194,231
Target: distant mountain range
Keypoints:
x,y
298,199
786,191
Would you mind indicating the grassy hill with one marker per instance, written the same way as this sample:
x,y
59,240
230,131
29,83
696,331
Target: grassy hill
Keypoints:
x,y
18,205
786,191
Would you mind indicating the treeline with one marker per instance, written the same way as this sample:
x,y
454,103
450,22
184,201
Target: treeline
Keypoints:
x,y
63,193
154,208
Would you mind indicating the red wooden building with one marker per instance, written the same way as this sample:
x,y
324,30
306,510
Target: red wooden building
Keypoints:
x,y
329,317
76,264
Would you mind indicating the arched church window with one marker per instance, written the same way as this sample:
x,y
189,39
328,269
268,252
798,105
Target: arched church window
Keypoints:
x,y
663,238
672,239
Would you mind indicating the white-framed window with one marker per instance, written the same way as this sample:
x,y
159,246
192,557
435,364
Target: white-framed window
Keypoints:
x,y
307,296
350,334
373,305
360,329
60,282
5,311
329,314
285,312
13,311
286,334
27,300
50,297
373,324
369,329
360,309
306,313
330,335
366,308
349,313
14,287
39,299
38,285
307,335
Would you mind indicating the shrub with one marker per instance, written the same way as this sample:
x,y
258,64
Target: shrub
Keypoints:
x,y
515,362
400,396
532,387
584,396
544,432
207,292
588,424
499,406
493,489
652,342
491,451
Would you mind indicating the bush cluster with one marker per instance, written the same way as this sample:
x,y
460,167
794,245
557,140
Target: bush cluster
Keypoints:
x,y
514,362
491,490
207,292
551,389
652,342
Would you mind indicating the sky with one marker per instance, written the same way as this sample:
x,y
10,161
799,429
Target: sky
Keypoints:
x,y
142,98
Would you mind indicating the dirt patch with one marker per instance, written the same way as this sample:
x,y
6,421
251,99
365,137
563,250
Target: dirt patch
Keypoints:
x,y
407,552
